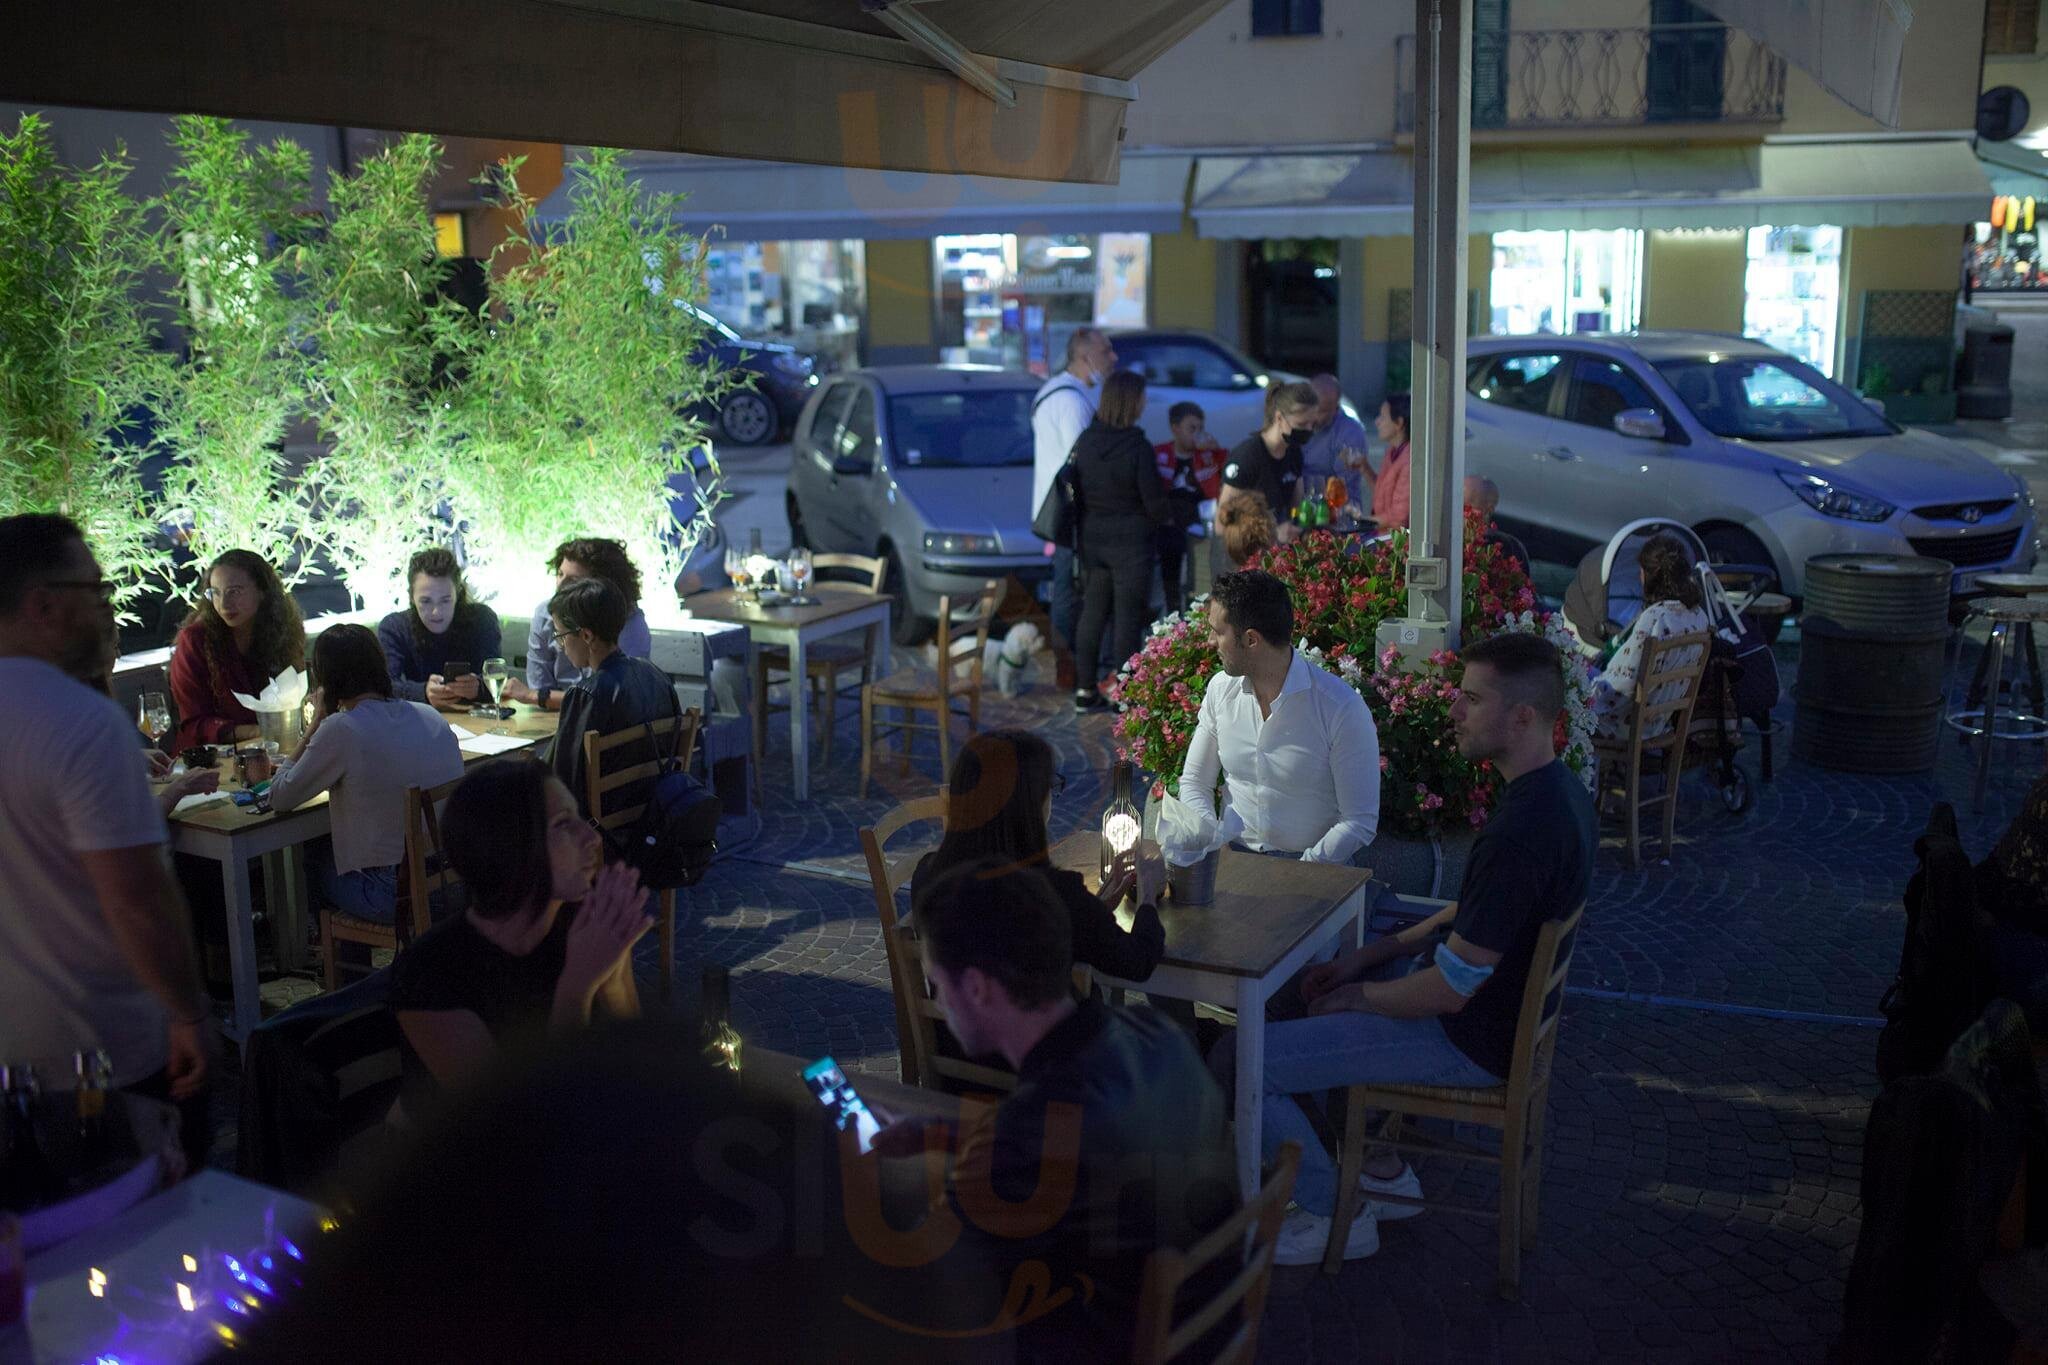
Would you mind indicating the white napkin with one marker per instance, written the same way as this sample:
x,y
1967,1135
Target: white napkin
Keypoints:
x,y
186,803
490,744
285,692
1189,833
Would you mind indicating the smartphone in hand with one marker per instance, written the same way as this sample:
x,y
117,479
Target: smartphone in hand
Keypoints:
x,y
842,1101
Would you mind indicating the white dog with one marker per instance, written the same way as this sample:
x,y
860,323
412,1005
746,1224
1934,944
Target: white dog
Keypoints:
x,y
1008,660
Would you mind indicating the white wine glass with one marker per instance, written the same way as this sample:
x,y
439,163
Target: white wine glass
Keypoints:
x,y
153,715
495,675
800,572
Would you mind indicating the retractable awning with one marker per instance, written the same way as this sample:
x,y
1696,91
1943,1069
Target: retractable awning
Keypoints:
x,y
758,201
1847,184
1852,47
814,81
2013,169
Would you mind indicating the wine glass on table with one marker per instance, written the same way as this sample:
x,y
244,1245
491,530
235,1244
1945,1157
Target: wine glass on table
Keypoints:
x,y
495,675
740,569
153,716
800,574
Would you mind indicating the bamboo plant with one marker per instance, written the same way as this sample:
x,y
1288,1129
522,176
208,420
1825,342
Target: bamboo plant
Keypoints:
x,y
232,214
576,401
78,366
369,374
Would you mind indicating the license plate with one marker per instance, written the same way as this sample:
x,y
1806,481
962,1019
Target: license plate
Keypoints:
x,y
1966,583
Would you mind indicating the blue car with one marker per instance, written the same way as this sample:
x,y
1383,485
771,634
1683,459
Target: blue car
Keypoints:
x,y
784,379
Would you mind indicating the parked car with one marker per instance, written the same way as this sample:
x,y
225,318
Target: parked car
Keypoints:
x,y
784,380
1769,460
926,466
1196,367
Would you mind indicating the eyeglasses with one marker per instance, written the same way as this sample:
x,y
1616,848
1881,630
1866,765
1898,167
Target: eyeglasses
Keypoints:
x,y
98,586
235,594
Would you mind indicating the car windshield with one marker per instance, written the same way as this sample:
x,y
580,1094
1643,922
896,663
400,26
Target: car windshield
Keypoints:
x,y
970,429
1768,398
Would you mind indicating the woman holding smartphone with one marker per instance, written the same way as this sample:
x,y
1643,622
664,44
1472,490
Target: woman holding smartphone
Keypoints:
x,y
437,643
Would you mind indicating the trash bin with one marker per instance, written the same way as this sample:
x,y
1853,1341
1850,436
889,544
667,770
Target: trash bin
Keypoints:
x,y
1984,375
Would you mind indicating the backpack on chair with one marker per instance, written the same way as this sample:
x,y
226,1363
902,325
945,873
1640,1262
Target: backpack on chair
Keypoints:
x,y
672,843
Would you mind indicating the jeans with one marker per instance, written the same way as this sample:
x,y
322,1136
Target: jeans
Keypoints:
x,y
1325,1051
369,893
1173,557
1119,576
1066,603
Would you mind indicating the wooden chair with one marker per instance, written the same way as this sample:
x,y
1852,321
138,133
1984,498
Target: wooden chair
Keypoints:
x,y
417,887
1158,1339
826,660
1666,664
917,690
888,877
1516,1108
914,1001
600,785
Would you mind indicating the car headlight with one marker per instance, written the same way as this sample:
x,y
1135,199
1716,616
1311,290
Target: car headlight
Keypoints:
x,y
1832,500
2026,492
952,543
789,362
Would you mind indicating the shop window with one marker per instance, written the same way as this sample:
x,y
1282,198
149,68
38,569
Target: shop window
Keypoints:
x,y
1521,382
2011,27
1288,18
1792,291
1566,281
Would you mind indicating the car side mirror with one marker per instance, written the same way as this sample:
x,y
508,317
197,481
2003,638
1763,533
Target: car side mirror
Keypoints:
x,y
1641,423
1876,405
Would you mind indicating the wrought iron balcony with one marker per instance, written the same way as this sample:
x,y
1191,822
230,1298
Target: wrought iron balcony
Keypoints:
x,y
1613,77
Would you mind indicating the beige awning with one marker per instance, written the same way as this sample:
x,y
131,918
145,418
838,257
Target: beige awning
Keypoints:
x,y
1852,47
1846,184
816,81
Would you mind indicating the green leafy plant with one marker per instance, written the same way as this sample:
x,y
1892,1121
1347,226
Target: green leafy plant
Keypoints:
x,y
371,281
231,213
77,359
576,394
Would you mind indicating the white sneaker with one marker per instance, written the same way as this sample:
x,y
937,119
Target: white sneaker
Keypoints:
x,y
1305,1236
1405,1184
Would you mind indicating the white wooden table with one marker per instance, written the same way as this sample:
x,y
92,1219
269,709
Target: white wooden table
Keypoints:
x,y
1269,919
231,835
839,609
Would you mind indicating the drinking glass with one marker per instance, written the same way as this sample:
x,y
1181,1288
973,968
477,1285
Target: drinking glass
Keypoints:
x,y
153,714
495,675
740,569
800,571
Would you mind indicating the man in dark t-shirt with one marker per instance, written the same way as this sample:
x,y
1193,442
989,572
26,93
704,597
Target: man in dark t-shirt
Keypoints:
x,y
1384,1014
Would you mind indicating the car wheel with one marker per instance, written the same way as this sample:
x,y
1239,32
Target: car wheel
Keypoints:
x,y
799,538
1733,545
745,418
906,627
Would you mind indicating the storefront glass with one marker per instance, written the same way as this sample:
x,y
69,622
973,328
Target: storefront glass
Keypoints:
x,y
1793,291
1566,281
2004,251
1013,300
805,293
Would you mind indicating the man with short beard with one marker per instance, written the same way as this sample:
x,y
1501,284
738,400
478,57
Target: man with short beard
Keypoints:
x,y
94,953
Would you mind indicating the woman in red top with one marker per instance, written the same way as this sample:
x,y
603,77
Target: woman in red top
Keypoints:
x,y
1390,489
244,632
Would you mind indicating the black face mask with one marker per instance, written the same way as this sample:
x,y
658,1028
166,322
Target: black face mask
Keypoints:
x,y
1297,438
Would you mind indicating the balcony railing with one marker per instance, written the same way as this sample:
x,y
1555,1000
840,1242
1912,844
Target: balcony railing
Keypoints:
x,y
1614,77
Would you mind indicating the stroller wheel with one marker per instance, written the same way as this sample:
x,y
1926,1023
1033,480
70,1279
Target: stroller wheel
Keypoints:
x,y
1735,792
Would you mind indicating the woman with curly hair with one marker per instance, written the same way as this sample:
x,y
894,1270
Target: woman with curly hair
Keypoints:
x,y
548,671
1672,605
244,631
441,625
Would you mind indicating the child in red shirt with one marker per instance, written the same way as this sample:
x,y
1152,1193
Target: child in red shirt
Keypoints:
x,y
1191,466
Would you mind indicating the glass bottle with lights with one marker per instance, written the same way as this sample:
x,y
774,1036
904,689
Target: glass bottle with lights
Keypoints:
x,y
1121,821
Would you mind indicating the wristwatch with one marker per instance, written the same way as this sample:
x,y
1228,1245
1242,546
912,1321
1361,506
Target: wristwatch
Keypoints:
x,y
540,698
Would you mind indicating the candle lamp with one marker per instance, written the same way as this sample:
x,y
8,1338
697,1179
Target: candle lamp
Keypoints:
x,y
1121,825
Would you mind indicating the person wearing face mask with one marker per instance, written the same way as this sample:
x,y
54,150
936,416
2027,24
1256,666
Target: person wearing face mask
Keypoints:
x,y
441,625
1060,412
1269,461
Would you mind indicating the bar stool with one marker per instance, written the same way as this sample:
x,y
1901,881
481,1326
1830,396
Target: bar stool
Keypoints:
x,y
1994,708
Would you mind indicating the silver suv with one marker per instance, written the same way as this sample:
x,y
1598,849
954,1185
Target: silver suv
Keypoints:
x,y
926,466
1771,461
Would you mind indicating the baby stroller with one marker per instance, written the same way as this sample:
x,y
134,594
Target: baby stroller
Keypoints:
x,y
1741,679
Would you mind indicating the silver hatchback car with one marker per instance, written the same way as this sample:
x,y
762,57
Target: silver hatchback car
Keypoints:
x,y
1768,459
927,467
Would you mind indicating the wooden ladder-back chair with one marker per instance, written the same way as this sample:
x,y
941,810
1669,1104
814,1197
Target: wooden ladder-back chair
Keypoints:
x,y
602,794
914,993
1516,1108
915,691
1672,668
422,876
887,877
827,659
1158,1339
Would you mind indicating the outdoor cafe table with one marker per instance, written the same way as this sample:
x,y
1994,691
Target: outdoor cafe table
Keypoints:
x,y
139,1257
230,835
1269,918
839,609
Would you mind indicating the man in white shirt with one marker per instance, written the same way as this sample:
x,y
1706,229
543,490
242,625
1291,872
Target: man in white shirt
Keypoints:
x,y
1295,743
94,952
1062,409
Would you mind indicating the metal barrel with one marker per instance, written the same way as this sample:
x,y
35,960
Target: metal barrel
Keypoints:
x,y
1873,635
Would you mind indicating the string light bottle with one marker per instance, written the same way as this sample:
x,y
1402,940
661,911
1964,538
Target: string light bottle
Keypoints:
x,y
1121,820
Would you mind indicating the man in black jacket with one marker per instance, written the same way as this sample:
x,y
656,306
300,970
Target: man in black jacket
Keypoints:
x,y
616,692
1112,1144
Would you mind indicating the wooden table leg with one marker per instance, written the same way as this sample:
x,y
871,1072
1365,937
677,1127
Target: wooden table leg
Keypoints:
x,y
241,912
799,718
1251,1080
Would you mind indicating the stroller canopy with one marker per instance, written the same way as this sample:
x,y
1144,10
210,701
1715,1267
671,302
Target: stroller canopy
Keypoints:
x,y
1607,593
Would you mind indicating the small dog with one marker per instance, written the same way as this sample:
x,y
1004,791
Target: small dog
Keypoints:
x,y
1011,657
